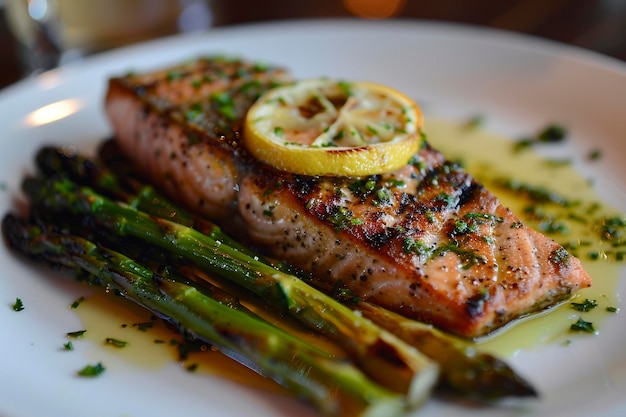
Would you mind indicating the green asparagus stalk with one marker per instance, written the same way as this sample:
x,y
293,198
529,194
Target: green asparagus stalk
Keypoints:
x,y
464,369
383,356
55,161
334,386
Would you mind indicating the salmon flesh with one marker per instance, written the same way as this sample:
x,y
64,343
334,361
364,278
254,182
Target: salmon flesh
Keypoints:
x,y
427,241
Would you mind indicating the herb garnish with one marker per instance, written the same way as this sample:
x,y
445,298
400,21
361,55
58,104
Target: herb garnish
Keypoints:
x,y
585,306
582,326
18,305
92,370
115,342
77,302
552,133
76,334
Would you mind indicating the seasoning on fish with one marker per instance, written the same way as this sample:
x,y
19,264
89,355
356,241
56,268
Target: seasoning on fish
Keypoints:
x,y
426,240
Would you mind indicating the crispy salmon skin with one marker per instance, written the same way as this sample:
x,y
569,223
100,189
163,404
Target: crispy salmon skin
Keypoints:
x,y
427,241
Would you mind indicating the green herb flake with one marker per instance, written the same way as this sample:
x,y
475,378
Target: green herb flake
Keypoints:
x,y
346,87
582,326
461,227
228,112
446,198
269,212
552,133
195,111
522,144
594,155
92,370
173,75
76,334
585,306
115,342
77,302
18,305
144,325
410,245
475,122
279,131
68,346
468,257
342,218
383,197
363,187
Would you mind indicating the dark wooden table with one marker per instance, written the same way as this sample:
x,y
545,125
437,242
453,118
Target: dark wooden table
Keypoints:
x,y
597,25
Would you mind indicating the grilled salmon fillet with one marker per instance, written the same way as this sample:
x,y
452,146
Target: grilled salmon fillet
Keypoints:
x,y
427,241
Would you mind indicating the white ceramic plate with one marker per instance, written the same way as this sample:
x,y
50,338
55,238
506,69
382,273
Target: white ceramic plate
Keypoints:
x,y
519,82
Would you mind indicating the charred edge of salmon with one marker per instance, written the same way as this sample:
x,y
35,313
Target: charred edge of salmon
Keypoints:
x,y
466,219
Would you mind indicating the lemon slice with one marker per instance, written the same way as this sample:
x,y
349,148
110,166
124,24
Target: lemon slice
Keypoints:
x,y
330,127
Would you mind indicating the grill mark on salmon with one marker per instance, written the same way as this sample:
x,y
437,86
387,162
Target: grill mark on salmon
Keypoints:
x,y
427,241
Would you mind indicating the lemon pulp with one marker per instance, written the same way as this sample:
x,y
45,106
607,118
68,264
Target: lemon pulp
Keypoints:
x,y
330,127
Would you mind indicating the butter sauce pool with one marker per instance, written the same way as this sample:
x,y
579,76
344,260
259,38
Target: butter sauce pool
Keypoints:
x,y
492,159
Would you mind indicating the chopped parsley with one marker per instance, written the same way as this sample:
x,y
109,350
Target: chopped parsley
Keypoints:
x,y
76,334
383,197
363,187
446,198
18,305
594,155
68,345
410,245
475,122
279,131
92,370
553,133
461,227
468,257
343,218
269,212
77,302
585,306
115,342
582,326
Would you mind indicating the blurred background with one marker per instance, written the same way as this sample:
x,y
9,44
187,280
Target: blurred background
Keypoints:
x,y
36,35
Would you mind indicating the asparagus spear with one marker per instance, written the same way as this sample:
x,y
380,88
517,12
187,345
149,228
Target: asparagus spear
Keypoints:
x,y
334,386
383,356
463,369
54,161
